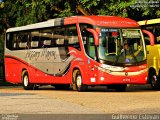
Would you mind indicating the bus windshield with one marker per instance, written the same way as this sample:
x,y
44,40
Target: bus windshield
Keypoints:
x,y
121,46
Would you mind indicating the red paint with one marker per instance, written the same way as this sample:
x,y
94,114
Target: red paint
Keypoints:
x,y
110,21
14,66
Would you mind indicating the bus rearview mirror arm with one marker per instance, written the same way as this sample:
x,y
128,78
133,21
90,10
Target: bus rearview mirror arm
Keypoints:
x,y
151,36
95,35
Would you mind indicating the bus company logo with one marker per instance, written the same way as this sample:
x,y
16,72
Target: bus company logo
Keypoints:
x,y
126,73
35,55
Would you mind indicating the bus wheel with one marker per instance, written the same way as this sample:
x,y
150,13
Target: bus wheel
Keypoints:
x,y
155,84
78,82
25,81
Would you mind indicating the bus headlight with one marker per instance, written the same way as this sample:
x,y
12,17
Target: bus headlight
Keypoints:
x,y
102,69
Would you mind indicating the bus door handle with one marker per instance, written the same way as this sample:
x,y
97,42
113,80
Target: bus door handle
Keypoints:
x,y
147,52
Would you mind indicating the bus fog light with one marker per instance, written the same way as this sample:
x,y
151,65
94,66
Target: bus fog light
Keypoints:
x,y
102,78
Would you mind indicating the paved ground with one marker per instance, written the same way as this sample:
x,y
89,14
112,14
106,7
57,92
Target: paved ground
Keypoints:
x,y
16,100
47,100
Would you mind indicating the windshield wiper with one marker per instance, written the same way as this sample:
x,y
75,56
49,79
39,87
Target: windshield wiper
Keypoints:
x,y
132,53
123,50
117,58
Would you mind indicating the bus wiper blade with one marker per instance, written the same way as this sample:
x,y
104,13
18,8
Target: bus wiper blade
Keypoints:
x,y
132,53
117,58
123,50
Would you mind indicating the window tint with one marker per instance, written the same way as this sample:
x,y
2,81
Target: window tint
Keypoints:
x,y
11,41
17,40
59,36
35,38
22,40
89,44
88,40
46,37
72,37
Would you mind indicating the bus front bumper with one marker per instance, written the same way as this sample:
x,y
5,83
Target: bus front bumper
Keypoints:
x,y
135,77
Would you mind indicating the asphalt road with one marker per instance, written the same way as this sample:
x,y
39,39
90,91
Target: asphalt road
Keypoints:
x,y
96,101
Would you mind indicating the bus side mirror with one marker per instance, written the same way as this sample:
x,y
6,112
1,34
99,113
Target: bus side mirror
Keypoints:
x,y
151,36
95,35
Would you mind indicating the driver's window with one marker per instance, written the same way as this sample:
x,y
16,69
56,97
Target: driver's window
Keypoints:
x,y
89,44
88,40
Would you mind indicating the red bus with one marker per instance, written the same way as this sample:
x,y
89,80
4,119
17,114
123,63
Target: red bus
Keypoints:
x,y
78,51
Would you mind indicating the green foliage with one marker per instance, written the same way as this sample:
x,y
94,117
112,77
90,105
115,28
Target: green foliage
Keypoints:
x,y
158,12
89,3
66,12
22,12
110,7
1,4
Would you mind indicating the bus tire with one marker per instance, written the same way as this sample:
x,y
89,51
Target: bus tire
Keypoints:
x,y
78,82
155,83
25,81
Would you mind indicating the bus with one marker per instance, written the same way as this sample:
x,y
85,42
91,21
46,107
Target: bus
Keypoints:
x,y
153,53
77,52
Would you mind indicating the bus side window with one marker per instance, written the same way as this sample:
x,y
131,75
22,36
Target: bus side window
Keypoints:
x,y
146,39
88,40
58,36
72,37
92,53
46,37
35,39
89,44
22,39
157,34
11,41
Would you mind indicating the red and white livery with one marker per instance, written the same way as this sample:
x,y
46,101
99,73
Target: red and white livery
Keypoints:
x,y
77,51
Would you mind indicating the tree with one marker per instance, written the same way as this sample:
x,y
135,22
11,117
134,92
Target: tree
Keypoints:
x,y
134,9
22,12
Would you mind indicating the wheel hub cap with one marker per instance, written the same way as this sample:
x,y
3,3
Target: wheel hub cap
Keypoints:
x,y
25,81
79,81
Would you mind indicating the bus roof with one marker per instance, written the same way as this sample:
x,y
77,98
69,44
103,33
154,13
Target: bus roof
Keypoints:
x,y
49,23
108,21
148,22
